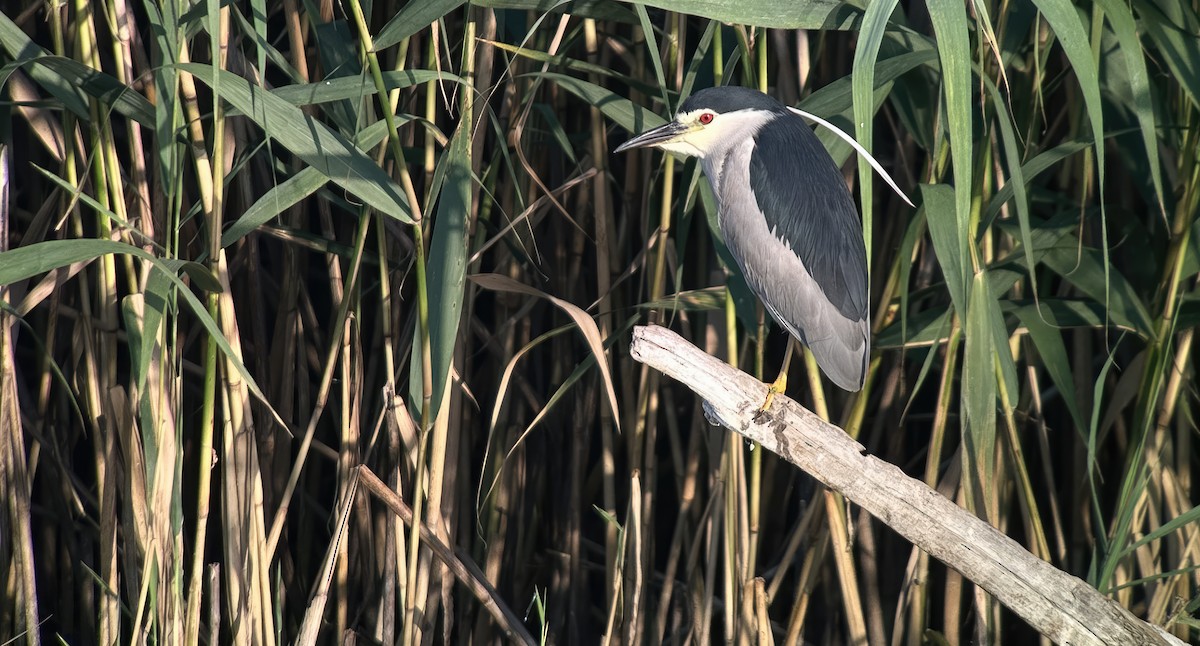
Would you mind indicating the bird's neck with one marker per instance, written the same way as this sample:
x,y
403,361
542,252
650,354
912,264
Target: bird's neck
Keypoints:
x,y
712,166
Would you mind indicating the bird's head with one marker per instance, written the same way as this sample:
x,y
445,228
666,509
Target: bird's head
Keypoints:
x,y
710,120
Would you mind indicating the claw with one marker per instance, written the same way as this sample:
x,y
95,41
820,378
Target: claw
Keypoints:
x,y
777,388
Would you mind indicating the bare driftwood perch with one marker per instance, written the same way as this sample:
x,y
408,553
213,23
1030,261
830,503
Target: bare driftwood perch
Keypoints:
x,y
1058,605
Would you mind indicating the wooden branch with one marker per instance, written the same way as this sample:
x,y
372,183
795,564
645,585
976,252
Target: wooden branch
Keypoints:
x,y
1056,604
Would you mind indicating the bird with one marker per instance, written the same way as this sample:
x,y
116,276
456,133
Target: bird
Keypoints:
x,y
787,218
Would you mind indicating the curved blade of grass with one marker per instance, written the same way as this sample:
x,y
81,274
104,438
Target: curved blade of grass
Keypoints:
x,y
862,83
310,140
1086,270
652,52
924,329
1030,170
446,266
104,88
357,86
501,396
510,368
1053,352
1073,38
1125,28
622,111
20,48
587,326
979,380
1173,27
1012,154
555,128
797,14
837,98
1005,365
284,195
414,17
705,299
943,230
1061,313
954,51
913,233
558,61
76,193
164,30
580,370
1182,520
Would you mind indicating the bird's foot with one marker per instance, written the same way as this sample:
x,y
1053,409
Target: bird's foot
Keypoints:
x,y
777,388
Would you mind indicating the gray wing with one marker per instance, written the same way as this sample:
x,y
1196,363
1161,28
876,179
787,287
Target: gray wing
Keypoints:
x,y
819,290
805,200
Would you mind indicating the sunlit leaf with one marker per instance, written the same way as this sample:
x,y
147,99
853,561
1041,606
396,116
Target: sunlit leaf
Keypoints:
x,y
309,139
414,17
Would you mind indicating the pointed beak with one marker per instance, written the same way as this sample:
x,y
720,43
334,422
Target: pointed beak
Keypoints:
x,y
653,137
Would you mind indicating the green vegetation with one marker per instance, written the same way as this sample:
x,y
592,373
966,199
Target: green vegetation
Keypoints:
x,y
275,276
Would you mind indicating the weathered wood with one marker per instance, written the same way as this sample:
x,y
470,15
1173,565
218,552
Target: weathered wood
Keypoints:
x,y
1056,604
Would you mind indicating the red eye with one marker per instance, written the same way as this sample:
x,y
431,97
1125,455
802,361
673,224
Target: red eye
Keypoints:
x,y
706,118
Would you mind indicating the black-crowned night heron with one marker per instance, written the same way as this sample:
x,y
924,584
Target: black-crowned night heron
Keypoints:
x,y
787,218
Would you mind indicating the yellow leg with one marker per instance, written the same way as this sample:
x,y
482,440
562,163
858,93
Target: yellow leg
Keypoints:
x,y
779,387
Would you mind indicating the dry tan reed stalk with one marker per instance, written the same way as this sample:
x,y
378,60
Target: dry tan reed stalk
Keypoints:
x,y
460,565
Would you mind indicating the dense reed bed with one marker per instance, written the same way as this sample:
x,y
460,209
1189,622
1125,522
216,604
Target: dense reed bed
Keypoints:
x,y
278,277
